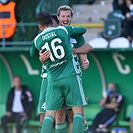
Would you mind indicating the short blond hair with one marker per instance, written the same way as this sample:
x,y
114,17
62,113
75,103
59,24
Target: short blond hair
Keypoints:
x,y
64,8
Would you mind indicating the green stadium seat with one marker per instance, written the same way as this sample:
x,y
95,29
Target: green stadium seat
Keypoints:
x,y
116,14
113,24
125,123
13,126
33,122
90,112
112,28
2,111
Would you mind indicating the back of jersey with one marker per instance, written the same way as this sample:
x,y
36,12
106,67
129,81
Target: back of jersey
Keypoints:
x,y
57,41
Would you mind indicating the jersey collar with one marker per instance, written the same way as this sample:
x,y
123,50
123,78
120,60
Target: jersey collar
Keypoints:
x,y
48,29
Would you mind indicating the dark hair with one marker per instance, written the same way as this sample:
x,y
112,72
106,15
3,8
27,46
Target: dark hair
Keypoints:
x,y
54,16
44,19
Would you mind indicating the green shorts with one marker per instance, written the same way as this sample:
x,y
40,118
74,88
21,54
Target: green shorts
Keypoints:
x,y
42,103
67,90
69,109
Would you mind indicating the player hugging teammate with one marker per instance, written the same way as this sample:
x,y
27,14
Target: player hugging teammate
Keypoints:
x,y
61,83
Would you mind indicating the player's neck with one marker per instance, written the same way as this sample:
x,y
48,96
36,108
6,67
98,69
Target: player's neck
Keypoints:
x,y
45,27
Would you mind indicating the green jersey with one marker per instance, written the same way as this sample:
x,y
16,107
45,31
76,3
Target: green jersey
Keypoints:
x,y
57,41
44,72
76,42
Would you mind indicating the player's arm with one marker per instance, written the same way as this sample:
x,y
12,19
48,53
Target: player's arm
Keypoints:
x,y
81,47
111,105
76,30
76,33
115,104
103,101
84,61
33,50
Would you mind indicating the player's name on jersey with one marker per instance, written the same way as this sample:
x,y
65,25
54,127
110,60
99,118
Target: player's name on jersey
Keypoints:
x,y
49,35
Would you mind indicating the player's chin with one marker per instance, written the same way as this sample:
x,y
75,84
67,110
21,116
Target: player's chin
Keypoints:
x,y
65,24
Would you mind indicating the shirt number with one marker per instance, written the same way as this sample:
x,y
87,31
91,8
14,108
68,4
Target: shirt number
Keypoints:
x,y
55,49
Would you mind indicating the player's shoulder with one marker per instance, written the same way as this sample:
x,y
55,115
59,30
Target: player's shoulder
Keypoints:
x,y
68,27
64,28
37,38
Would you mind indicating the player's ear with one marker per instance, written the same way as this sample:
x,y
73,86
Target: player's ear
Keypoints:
x,y
57,17
40,27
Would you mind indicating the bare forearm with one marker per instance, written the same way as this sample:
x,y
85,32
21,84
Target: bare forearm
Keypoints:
x,y
111,106
83,49
84,61
102,102
83,57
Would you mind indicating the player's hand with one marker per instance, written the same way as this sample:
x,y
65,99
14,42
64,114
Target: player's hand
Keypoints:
x,y
104,94
85,64
74,50
128,16
44,56
8,114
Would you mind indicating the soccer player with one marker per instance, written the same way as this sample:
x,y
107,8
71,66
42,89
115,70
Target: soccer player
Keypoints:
x,y
60,117
65,14
41,103
61,71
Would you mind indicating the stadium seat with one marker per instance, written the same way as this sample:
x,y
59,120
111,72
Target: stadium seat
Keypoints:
x,y
126,123
120,42
113,24
112,28
98,43
34,122
116,14
2,110
90,112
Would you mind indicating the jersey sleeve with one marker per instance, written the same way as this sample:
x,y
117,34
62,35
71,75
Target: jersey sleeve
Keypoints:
x,y
119,99
77,30
80,41
33,50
